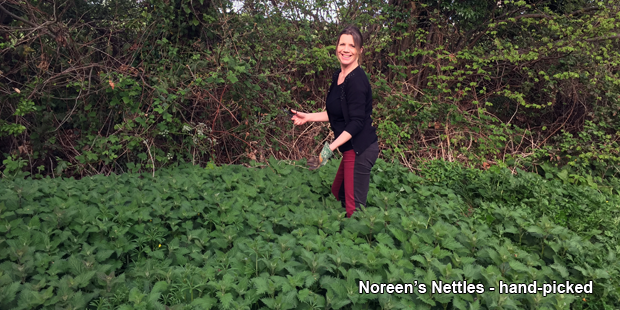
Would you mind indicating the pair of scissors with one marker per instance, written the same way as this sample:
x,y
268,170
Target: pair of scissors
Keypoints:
x,y
290,112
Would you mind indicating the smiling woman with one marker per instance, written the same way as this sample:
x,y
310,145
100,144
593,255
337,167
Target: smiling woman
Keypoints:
x,y
349,49
348,110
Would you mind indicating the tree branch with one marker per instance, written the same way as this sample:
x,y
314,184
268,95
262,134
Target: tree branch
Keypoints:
x,y
603,38
17,17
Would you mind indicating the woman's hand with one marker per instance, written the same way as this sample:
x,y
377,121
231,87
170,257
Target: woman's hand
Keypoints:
x,y
318,162
300,118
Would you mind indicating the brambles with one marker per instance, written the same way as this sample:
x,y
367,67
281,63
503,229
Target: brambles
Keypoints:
x,y
233,237
86,83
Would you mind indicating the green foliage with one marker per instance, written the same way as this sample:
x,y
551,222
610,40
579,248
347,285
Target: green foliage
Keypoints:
x,y
592,151
13,167
23,107
273,238
113,86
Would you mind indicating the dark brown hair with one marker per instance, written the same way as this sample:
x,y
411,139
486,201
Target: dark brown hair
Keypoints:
x,y
356,34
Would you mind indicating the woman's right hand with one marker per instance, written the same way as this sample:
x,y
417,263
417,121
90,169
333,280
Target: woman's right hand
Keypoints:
x,y
299,118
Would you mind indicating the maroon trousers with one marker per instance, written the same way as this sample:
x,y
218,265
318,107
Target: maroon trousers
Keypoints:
x,y
350,186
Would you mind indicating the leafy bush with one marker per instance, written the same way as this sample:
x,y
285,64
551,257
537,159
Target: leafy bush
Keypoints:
x,y
272,238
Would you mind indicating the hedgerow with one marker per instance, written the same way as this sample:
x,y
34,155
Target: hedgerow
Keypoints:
x,y
114,86
272,237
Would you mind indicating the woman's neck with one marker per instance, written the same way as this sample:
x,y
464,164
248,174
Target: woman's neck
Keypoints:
x,y
345,70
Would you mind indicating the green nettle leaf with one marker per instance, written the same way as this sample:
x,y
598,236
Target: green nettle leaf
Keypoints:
x,y
136,296
304,295
443,298
84,279
420,259
339,303
226,300
34,223
518,266
311,279
475,305
536,230
9,292
261,285
204,302
102,255
159,287
471,272
425,298
398,234
385,239
451,244
269,302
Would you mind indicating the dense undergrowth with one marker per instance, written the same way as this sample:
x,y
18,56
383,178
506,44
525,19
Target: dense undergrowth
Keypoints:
x,y
272,237
91,87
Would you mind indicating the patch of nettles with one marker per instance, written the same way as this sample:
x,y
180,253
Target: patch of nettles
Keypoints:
x,y
273,238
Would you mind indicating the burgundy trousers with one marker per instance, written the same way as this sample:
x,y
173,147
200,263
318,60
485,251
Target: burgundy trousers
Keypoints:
x,y
350,186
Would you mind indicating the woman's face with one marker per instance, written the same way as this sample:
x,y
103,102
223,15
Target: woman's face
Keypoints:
x,y
346,50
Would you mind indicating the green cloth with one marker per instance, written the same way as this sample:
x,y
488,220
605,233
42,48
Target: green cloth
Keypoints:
x,y
326,154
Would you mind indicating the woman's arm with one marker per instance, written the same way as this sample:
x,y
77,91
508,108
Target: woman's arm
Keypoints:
x,y
301,118
319,117
356,93
342,139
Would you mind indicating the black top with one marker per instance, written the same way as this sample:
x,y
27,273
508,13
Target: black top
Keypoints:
x,y
356,105
336,117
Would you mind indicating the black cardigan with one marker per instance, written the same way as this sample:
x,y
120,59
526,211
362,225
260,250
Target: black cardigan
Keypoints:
x,y
356,102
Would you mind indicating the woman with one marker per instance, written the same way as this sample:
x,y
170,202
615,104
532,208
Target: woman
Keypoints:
x,y
348,110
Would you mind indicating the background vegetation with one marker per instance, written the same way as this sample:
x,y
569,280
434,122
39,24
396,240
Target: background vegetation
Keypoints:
x,y
100,87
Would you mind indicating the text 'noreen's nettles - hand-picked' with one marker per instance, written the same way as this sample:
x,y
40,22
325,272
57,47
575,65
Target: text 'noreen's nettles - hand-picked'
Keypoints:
x,y
463,287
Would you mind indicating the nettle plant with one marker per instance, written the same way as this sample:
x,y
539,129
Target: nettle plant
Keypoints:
x,y
273,238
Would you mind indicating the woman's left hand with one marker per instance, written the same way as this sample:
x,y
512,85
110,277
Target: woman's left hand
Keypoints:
x,y
299,118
